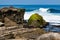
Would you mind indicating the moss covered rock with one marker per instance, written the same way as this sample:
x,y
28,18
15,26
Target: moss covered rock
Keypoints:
x,y
36,20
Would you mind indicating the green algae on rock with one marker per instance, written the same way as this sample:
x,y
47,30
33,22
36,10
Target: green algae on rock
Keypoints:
x,y
36,20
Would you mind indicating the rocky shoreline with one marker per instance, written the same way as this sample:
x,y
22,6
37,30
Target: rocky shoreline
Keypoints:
x,y
14,27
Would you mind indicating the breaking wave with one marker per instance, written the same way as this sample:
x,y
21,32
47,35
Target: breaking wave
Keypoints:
x,y
46,13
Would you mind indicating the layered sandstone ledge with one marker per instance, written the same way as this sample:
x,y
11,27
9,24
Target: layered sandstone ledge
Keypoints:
x,y
23,33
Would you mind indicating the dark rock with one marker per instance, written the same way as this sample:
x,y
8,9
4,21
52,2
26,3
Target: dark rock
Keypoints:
x,y
12,15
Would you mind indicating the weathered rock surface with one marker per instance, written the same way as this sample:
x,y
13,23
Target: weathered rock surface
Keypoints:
x,y
49,36
31,33
23,33
12,16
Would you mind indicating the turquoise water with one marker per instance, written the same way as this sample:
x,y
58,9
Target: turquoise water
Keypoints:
x,y
33,7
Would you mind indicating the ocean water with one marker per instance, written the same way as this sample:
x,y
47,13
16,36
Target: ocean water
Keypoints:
x,y
50,13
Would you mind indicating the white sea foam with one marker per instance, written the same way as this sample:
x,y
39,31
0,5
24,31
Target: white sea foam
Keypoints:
x,y
49,17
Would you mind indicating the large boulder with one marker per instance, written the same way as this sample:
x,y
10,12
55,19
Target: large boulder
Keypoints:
x,y
12,16
49,36
36,20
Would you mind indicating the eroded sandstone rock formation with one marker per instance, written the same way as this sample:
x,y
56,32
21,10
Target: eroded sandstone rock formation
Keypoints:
x,y
12,16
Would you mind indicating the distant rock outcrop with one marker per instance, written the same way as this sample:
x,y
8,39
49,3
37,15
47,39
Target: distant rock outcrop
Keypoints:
x,y
36,20
12,16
